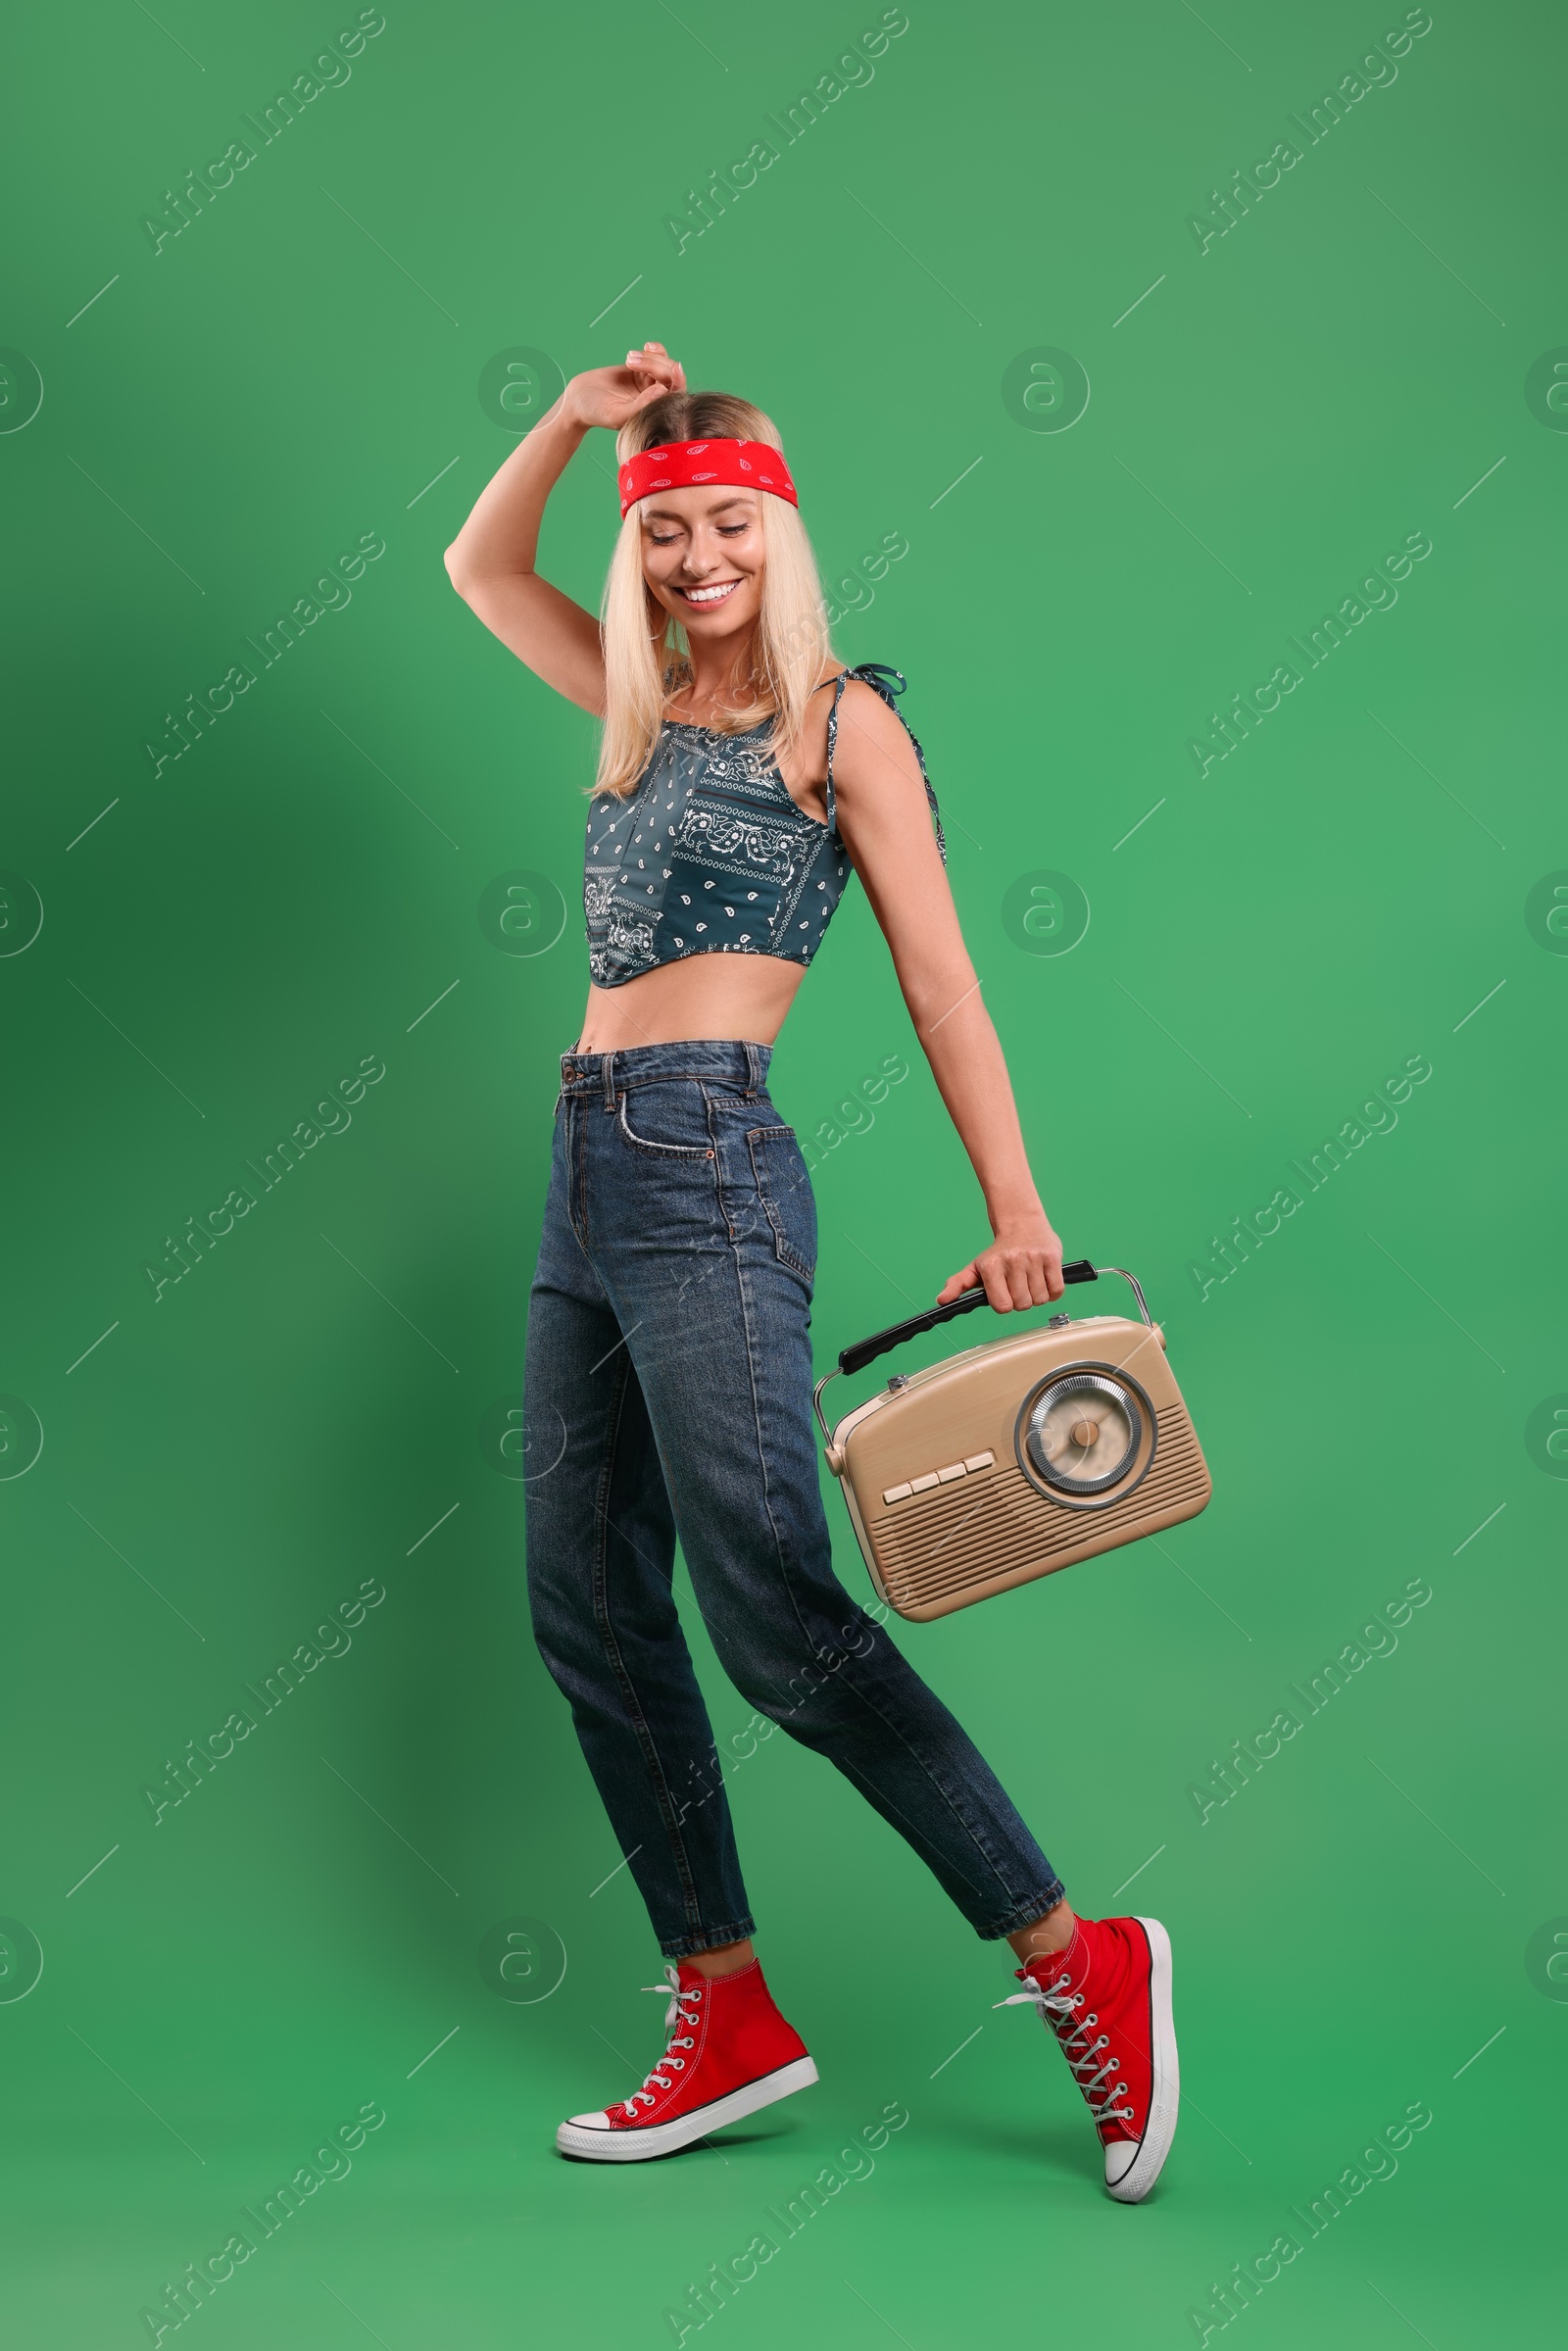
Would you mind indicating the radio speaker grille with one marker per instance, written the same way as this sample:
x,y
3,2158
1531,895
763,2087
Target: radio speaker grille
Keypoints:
x,y
979,1530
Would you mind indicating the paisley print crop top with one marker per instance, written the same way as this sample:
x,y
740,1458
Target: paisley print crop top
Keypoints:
x,y
709,854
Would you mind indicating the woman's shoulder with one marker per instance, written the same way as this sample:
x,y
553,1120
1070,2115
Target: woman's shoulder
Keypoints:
x,y
870,688
870,729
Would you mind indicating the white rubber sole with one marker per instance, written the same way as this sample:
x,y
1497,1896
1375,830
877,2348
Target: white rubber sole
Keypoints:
x,y
636,2144
1165,2097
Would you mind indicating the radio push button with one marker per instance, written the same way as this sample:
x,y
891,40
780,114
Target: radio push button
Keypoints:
x,y
939,1477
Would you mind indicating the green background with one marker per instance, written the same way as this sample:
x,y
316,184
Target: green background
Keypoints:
x,y
221,422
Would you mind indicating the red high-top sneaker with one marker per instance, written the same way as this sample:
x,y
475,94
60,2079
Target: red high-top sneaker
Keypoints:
x,y
731,2053
1106,1997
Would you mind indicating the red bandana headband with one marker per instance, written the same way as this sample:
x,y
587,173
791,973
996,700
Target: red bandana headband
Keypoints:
x,y
682,464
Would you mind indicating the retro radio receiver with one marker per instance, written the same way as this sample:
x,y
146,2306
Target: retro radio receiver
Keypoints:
x,y
1010,1461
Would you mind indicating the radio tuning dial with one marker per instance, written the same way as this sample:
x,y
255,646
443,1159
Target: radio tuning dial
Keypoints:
x,y
1082,1432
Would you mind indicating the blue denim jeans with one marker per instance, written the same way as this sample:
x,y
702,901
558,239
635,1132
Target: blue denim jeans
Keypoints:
x,y
668,1385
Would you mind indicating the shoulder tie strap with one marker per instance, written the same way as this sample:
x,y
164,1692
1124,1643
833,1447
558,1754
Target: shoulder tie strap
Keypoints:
x,y
889,683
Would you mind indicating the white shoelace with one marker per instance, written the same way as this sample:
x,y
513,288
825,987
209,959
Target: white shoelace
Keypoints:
x,y
678,1999
1058,2010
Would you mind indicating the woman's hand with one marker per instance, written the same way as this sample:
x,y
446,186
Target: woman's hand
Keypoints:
x,y
1022,1267
612,396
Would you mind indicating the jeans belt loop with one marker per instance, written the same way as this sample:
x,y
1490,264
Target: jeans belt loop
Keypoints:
x,y
754,1069
608,1067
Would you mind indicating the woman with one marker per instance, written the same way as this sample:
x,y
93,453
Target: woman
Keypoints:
x,y
743,773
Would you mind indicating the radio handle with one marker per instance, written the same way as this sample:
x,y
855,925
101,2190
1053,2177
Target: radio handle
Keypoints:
x,y
866,1350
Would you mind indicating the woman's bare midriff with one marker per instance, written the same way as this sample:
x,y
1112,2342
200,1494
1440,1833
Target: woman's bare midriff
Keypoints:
x,y
745,997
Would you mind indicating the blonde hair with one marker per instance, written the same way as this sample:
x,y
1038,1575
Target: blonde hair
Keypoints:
x,y
646,652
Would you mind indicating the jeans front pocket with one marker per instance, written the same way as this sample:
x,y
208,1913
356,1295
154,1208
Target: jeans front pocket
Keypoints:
x,y
666,1119
784,1189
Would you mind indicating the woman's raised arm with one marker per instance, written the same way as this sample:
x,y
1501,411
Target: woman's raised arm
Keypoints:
x,y
491,561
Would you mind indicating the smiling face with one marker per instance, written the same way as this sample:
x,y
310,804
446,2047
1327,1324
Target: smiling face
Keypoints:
x,y
702,558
